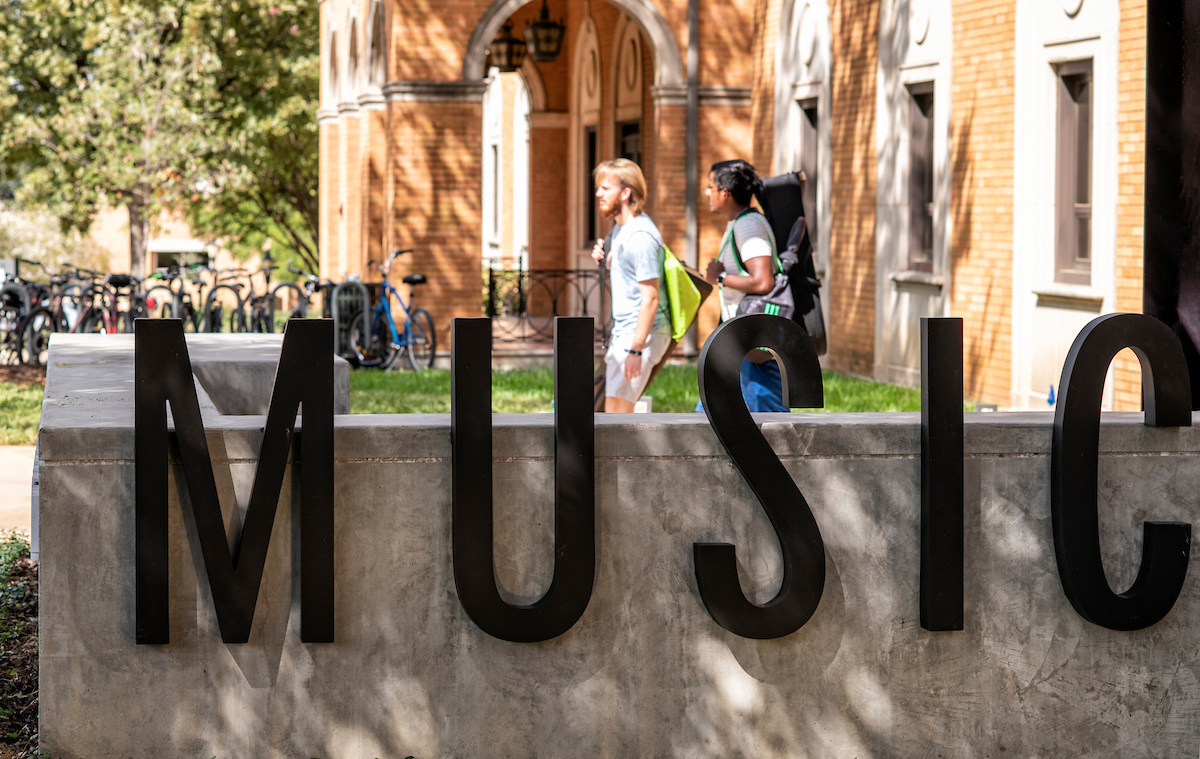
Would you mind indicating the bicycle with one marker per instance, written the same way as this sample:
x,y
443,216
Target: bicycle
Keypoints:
x,y
260,307
169,297
303,293
418,338
128,287
18,298
213,319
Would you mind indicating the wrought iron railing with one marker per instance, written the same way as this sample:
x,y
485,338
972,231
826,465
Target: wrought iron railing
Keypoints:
x,y
522,304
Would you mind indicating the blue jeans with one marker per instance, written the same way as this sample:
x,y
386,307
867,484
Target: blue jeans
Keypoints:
x,y
762,387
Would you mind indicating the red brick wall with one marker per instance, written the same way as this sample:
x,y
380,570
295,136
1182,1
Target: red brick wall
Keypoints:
x,y
429,37
981,151
328,184
727,41
374,247
851,287
1131,160
548,199
436,168
350,233
762,112
668,179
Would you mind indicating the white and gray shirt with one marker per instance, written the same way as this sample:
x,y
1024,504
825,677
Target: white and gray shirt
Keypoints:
x,y
636,256
754,240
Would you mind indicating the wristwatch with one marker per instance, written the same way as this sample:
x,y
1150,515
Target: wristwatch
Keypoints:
x,y
721,277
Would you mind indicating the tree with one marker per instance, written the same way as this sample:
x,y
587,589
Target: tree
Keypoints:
x,y
132,125
207,108
267,100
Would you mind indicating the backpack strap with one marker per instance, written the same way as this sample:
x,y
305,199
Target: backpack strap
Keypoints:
x,y
737,256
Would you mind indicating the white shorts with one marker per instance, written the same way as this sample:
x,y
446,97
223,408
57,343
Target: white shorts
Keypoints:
x,y
615,384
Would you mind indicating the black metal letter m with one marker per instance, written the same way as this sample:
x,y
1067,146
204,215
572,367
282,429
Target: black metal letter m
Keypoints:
x,y
162,374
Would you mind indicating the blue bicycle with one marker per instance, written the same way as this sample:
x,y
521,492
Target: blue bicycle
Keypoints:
x,y
416,338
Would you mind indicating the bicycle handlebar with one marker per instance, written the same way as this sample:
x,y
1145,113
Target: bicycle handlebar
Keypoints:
x,y
395,252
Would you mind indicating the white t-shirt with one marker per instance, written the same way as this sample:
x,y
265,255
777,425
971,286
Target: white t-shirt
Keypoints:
x,y
754,240
636,256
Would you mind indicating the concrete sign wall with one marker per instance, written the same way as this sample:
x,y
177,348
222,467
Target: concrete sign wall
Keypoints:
x,y
646,671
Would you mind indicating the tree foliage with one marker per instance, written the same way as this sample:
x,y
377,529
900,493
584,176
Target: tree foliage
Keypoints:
x,y
206,108
267,96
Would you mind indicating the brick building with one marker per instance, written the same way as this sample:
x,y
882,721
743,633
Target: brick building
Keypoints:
x,y
973,158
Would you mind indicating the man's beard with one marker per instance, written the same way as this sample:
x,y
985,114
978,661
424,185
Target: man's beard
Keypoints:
x,y
607,212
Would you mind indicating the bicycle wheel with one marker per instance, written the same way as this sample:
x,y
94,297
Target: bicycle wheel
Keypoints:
x,y
10,326
379,350
262,319
35,343
299,300
191,319
213,318
159,302
93,322
125,320
422,340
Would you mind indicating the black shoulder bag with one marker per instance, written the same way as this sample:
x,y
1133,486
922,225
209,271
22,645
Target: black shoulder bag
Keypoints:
x,y
778,301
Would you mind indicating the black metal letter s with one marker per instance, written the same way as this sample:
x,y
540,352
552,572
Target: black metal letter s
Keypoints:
x,y
799,536
1075,466
574,484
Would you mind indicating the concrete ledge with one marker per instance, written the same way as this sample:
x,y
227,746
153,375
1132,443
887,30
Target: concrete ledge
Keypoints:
x,y
645,672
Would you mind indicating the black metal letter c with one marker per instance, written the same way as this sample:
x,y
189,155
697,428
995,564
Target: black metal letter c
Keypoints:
x,y
1075,467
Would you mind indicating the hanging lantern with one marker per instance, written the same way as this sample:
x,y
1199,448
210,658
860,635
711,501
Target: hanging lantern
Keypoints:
x,y
544,37
507,53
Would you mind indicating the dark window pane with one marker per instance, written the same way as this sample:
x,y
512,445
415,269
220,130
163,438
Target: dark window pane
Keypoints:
x,y
920,181
589,188
1073,198
1083,126
630,145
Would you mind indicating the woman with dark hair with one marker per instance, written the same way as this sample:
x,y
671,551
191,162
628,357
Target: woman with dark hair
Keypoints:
x,y
746,264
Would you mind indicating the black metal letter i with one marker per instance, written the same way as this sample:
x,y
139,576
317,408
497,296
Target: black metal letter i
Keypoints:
x,y
942,474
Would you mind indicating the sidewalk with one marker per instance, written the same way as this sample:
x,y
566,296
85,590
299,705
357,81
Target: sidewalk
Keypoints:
x,y
16,481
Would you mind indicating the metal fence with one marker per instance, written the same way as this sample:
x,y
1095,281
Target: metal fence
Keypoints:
x,y
522,304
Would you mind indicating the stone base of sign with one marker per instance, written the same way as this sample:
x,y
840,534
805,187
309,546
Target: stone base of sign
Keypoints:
x,y
645,672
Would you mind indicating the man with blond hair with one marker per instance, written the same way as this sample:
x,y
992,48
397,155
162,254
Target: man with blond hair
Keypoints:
x,y
641,332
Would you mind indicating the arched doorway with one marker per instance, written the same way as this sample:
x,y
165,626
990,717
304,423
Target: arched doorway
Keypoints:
x,y
597,100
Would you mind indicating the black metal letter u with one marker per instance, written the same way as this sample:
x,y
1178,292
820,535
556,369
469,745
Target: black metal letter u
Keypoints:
x,y
574,484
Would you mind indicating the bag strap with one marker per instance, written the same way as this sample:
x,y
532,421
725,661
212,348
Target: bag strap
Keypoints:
x,y
737,256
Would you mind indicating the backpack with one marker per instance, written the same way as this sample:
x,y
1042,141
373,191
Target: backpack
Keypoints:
x,y
685,289
779,300
782,202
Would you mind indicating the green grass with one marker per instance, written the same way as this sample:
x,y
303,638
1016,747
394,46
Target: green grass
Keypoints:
x,y
531,390
513,391
400,392
20,409
845,393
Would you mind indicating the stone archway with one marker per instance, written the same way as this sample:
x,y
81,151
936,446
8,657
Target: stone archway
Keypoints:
x,y
668,69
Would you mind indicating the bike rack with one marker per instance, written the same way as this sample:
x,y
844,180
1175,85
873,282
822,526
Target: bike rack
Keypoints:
x,y
348,298
21,294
